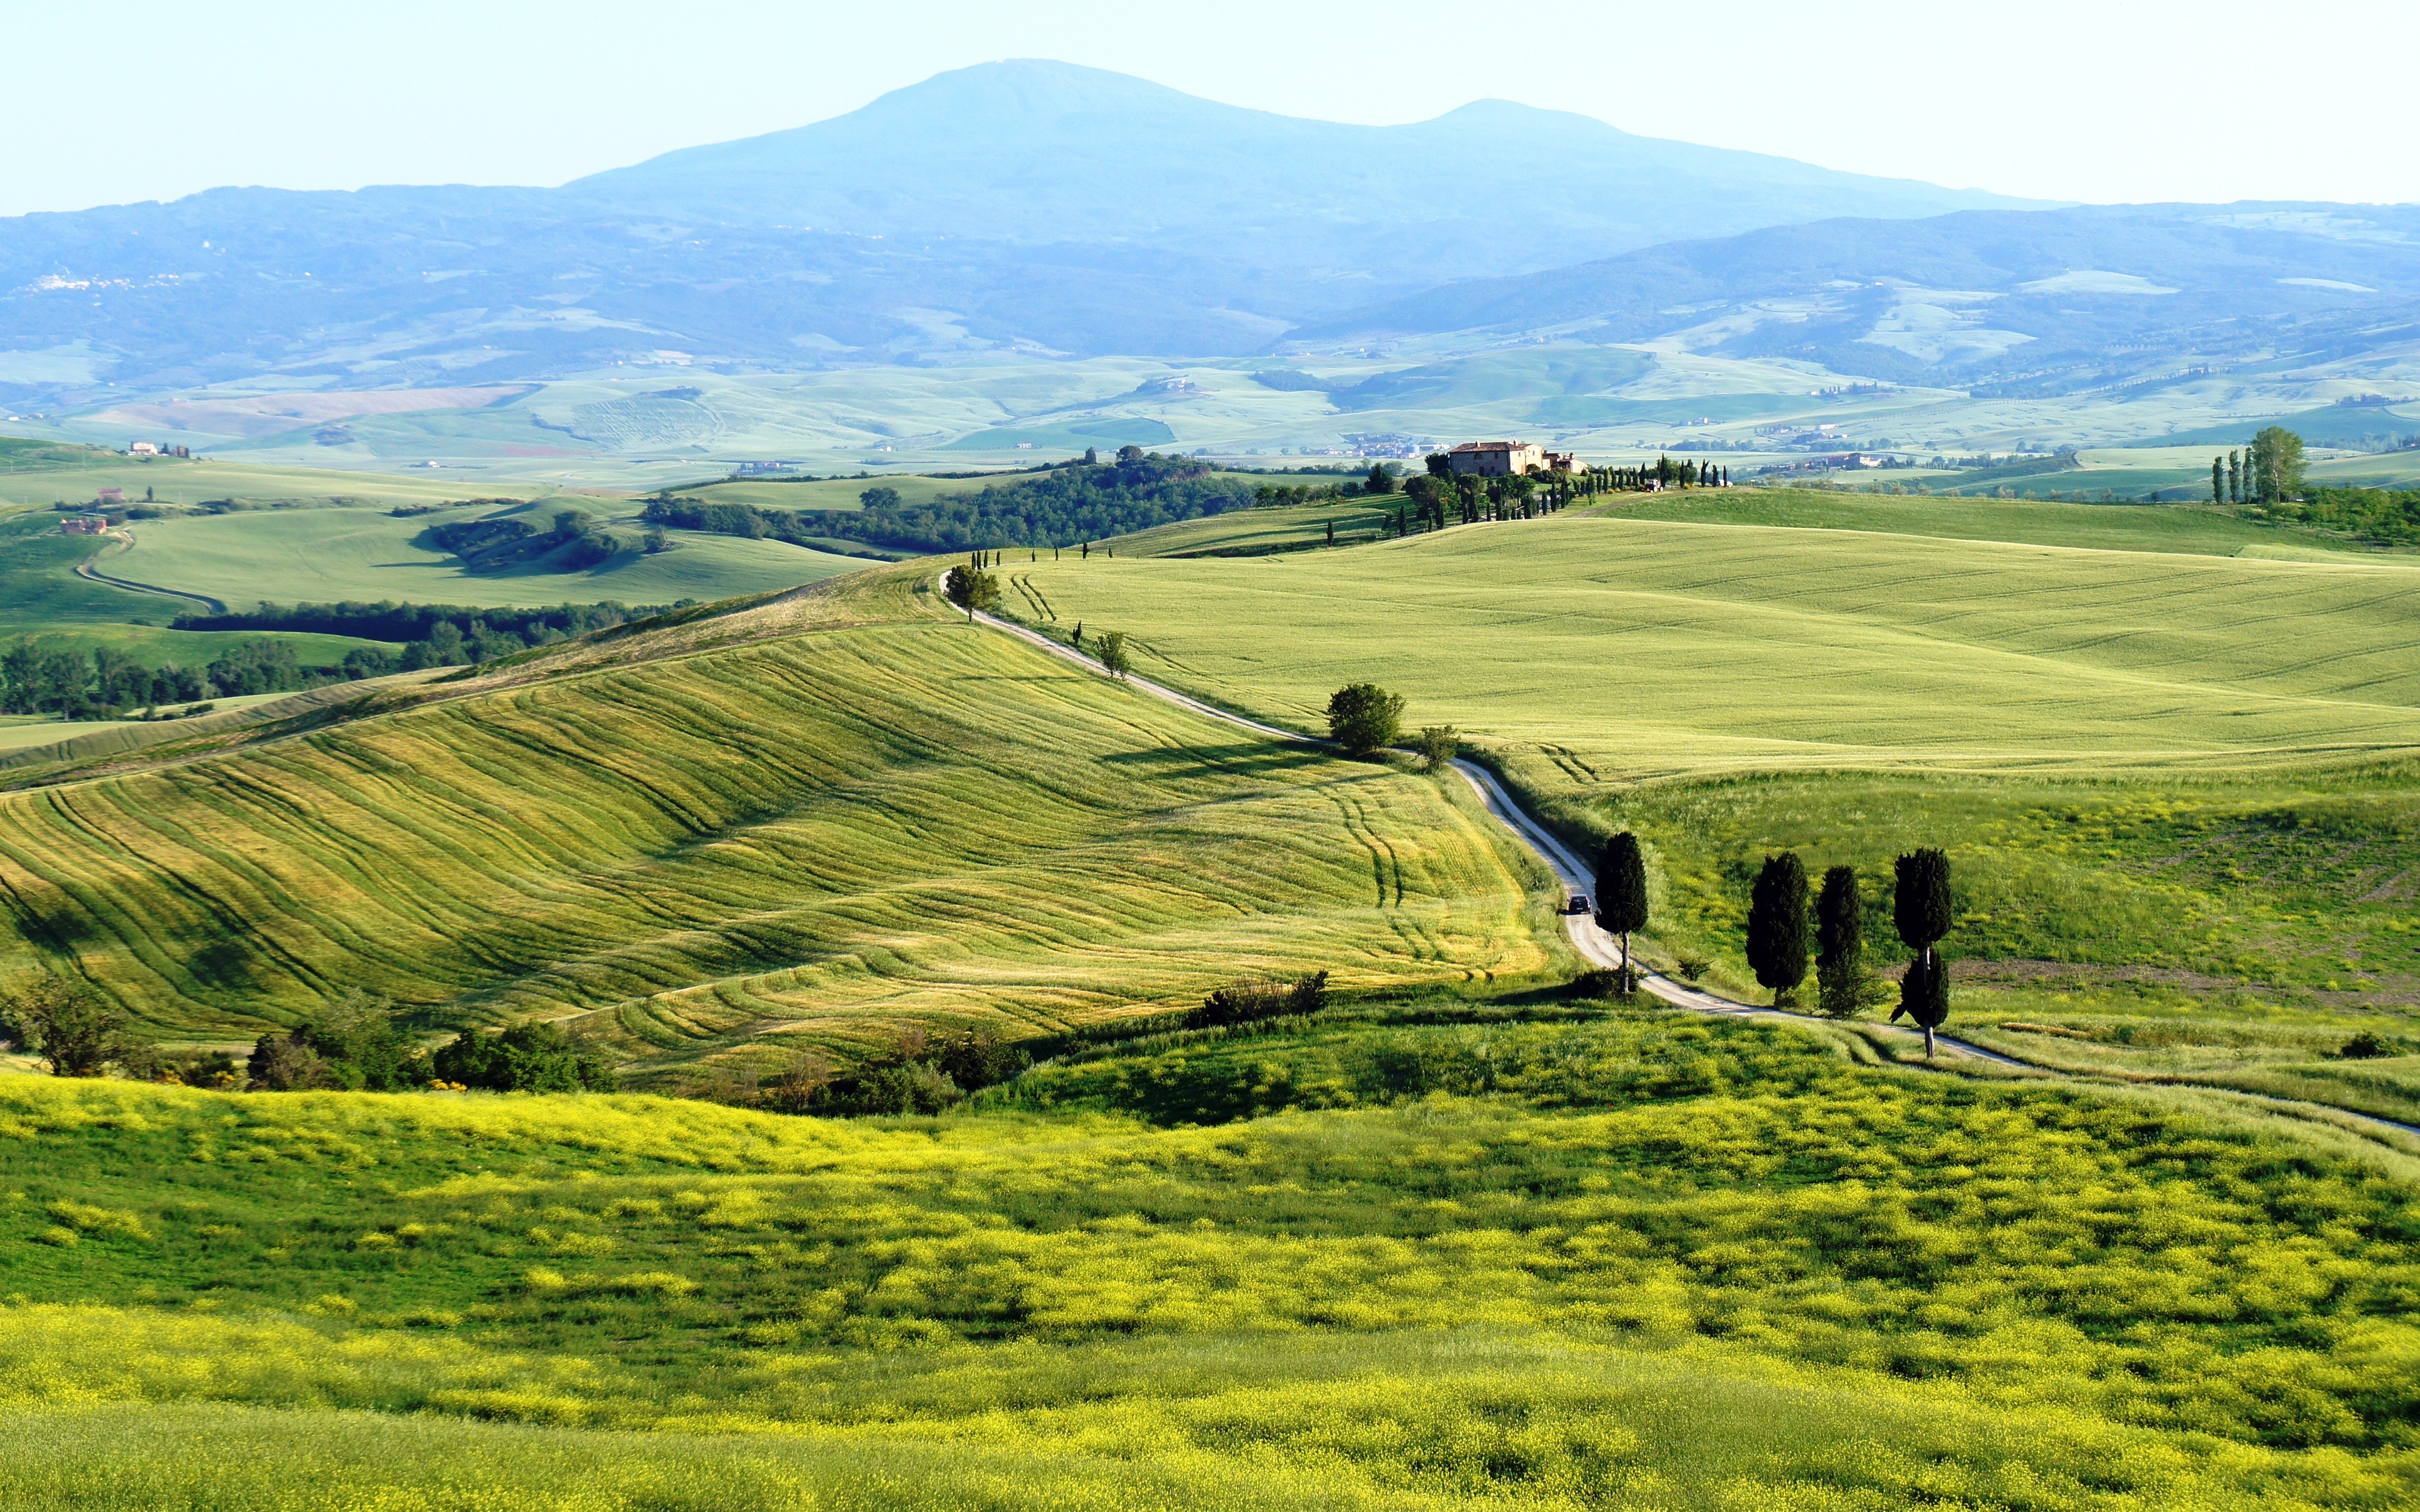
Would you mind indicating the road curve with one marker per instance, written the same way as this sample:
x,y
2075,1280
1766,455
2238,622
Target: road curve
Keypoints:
x,y
86,570
1592,943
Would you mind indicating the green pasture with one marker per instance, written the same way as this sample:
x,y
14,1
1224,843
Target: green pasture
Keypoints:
x,y
193,480
2167,781
1240,533
1518,1250
41,598
318,555
829,493
804,824
26,731
1645,648
2196,529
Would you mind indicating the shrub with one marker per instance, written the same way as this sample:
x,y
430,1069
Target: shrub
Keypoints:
x,y
286,1063
1248,999
2365,1046
1438,743
1110,647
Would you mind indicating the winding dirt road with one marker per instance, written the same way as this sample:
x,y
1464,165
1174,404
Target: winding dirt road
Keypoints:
x,y
86,570
1592,943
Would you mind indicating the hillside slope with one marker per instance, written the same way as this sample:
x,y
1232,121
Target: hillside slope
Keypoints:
x,y
817,820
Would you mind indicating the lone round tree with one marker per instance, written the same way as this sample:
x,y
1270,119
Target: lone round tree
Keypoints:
x,y
1364,718
1921,908
1621,894
1776,926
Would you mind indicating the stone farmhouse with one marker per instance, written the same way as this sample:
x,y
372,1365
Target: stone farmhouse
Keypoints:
x,y
1504,459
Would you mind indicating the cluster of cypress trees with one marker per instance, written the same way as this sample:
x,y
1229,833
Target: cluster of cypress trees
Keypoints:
x,y
1778,930
1666,473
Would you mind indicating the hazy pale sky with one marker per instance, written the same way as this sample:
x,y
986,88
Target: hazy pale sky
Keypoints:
x,y
2115,101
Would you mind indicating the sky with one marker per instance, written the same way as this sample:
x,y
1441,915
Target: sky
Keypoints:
x,y
2122,100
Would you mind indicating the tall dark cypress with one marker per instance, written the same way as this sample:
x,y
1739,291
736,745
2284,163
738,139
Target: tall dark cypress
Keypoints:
x,y
1920,907
1777,925
1840,944
1621,893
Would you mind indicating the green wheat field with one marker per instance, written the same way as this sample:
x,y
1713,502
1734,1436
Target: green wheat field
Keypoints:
x,y
1474,1234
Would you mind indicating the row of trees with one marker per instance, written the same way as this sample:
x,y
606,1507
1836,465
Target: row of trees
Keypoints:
x,y
1788,922
1087,500
356,1044
41,677
2265,473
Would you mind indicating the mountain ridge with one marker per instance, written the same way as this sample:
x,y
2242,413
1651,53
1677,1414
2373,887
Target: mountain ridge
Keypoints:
x,y
1027,207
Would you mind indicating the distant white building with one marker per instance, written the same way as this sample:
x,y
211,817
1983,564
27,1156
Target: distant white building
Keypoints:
x,y
142,449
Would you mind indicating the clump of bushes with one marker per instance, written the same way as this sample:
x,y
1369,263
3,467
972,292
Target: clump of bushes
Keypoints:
x,y
355,1044
1249,999
527,1057
918,1074
2365,1045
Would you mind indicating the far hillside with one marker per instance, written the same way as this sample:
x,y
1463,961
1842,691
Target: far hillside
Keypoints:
x,y
1084,500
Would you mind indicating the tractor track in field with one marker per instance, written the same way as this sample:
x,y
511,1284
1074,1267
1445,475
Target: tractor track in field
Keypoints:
x,y
1599,949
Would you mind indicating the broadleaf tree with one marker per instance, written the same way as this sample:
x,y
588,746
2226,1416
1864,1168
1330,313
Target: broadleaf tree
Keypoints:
x,y
1364,718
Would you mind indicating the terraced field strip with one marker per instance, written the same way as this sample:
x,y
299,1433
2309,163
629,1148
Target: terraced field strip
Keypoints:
x,y
814,838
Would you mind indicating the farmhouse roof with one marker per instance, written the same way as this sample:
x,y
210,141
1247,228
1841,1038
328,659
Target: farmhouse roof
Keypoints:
x,y
1489,446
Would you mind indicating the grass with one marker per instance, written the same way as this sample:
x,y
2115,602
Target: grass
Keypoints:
x,y
76,475
2194,530
1624,648
830,493
803,824
1247,532
42,598
2170,784
319,555
22,732
1431,1252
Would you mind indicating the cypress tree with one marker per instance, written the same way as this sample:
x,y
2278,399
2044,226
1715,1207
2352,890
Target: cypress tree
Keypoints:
x,y
1621,894
1776,926
1840,944
1920,907
2234,479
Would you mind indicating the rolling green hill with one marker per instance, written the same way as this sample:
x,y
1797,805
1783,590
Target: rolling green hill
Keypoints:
x,y
1653,647
2176,788
802,824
